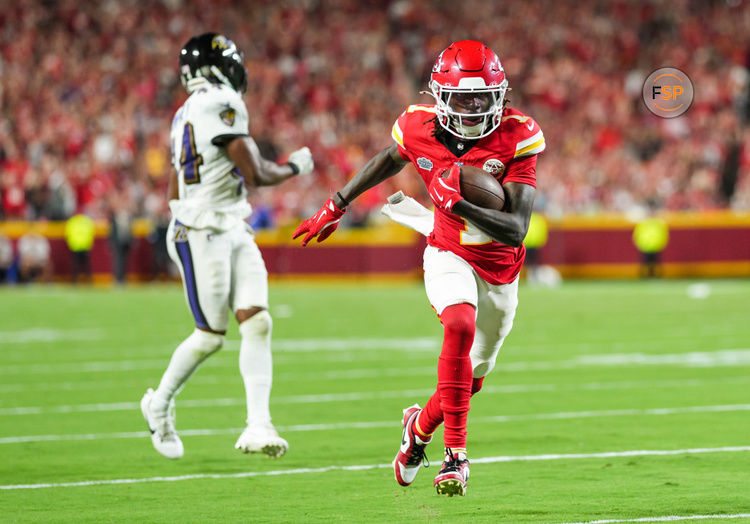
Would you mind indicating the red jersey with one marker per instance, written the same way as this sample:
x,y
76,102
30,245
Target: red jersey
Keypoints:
x,y
509,153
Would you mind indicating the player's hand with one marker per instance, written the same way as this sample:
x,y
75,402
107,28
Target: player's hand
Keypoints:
x,y
445,189
302,160
321,224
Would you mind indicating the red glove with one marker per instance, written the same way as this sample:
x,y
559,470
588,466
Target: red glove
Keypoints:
x,y
445,188
321,224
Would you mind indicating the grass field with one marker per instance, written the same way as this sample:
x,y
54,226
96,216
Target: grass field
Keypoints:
x,y
626,400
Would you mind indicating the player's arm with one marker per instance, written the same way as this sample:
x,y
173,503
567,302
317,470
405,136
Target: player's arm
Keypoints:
x,y
379,168
173,187
259,171
510,226
507,227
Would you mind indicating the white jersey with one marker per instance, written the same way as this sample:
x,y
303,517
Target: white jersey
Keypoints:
x,y
212,193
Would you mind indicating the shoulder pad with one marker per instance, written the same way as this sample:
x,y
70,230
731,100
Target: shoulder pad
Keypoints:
x,y
413,113
222,107
421,107
525,132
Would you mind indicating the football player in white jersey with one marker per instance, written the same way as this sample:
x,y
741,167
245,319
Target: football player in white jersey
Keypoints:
x,y
215,161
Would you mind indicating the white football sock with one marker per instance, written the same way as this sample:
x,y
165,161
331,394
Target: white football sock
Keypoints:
x,y
256,366
185,360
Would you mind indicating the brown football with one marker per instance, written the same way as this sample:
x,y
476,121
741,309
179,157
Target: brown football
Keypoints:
x,y
481,189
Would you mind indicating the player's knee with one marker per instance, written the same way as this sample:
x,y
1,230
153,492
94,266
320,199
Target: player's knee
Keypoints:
x,y
259,325
207,342
483,359
459,321
476,384
483,367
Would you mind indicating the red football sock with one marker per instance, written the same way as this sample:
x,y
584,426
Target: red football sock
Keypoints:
x,y
429,418
455,372
431,415
476,385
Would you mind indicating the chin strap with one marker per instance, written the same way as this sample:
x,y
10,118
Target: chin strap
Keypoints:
x,y
469,131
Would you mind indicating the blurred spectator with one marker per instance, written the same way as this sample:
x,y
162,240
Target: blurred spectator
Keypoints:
x,y
79,235
651,236
262,217
537,273
6,258
536,238
335,74
157,211
34,263
120,234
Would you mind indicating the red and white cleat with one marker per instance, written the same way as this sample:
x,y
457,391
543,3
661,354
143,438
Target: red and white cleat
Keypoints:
x,y
453,475
411,453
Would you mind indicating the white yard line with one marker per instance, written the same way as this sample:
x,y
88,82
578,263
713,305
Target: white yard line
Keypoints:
x,y
302,471
692,359
666,518
374,395
347,344
84,367
203,378
617,413
699,359
281,345
394,423
47,334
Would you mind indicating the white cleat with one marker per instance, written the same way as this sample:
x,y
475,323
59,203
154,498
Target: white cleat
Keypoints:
x,y
163,434
262,439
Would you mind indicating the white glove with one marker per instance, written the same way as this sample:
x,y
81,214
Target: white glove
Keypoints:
x,y
302,160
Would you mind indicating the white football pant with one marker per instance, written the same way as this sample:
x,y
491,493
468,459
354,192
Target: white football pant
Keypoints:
x,y
450,280
222,271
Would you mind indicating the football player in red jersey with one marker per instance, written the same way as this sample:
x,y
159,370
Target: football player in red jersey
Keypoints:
x,y
474,255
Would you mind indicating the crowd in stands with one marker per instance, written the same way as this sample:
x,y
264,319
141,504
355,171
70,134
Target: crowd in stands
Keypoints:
x,y
88,90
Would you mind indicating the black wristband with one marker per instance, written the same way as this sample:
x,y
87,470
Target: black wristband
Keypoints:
x,y
346,203
295,169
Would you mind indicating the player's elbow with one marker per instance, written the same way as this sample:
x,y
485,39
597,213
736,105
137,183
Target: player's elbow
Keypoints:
x,y
263,178
515,239
514,235
508,238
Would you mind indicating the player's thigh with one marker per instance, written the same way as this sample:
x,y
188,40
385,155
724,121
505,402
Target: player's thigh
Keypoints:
x,y
496,311
249,276
448,279
203,258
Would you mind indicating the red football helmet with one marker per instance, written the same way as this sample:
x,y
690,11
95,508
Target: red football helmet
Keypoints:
x,y
469,85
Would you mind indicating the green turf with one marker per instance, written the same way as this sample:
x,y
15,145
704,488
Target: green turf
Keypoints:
x,y
587,369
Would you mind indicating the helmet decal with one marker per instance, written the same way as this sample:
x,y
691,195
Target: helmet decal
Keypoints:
x,y
438,67
220,42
